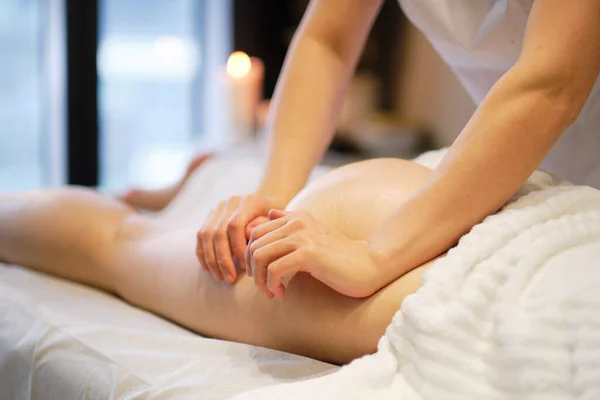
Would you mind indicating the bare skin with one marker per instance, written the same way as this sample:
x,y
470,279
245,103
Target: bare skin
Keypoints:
x,y
79,235
521,118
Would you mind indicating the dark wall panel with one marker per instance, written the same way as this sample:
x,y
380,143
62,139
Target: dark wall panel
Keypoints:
x,y
82,93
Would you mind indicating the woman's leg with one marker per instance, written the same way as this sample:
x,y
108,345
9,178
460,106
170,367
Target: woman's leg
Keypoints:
x,y
69,232
78,235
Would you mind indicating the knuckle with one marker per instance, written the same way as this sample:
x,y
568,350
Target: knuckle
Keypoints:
x,y
295,223
306,252
233,223
254,235
257,256
299,223
207,236
254,248
220,234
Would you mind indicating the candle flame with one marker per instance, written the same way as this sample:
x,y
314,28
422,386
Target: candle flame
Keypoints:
x,y
238,64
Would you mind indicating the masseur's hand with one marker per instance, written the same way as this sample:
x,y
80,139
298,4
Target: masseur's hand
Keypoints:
x,y
223,235
296,242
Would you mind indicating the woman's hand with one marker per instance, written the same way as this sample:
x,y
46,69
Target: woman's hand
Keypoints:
x,y
296,242
225,231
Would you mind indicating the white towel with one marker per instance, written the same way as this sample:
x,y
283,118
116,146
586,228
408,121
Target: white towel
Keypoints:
x,y
513,312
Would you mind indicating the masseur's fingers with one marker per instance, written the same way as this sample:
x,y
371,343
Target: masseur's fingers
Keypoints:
x,y
208,247
221,240
281,268
251,207
264,256
261,232
253,224
200,250
206,228
266,228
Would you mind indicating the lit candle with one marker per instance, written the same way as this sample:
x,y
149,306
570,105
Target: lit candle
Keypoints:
x,y
243,86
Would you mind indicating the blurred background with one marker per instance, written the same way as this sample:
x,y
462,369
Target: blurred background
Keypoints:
x,y
113,93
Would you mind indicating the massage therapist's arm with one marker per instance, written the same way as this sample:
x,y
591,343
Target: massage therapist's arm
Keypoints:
x,y
309,93
307,102
510,134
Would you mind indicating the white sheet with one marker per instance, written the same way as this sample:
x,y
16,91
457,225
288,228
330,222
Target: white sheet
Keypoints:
x,y
60,340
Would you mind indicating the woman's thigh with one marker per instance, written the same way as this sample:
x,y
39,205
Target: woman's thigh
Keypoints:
x,y
159,272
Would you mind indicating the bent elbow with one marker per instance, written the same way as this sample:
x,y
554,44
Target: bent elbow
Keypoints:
x,y
564,91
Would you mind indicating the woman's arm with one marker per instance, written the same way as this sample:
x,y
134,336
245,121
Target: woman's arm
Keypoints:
x,y
508,136
311,88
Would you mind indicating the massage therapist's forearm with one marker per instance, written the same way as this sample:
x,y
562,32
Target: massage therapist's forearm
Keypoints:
x,y
503,143
516,125
305,109
311,89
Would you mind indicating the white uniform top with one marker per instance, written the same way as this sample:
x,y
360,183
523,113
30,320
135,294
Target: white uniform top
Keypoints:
x,y
481,40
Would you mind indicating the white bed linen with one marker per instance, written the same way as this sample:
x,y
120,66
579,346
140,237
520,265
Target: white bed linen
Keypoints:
x,y
60,340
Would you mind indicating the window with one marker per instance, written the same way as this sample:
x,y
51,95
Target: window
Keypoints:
x,y
155,60
151,59
22,155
